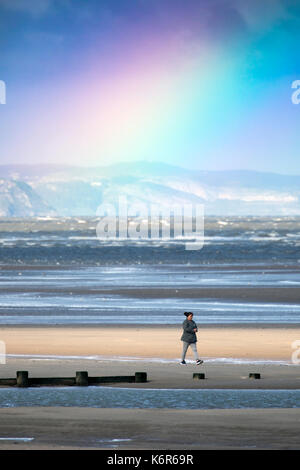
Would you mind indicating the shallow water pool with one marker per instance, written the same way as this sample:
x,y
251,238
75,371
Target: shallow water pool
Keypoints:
x,y
111,397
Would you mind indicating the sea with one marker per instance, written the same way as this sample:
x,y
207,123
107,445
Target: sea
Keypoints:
x,y
56,271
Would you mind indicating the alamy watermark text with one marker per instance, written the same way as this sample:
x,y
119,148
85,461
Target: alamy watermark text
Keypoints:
x,y
2,92
296,93
2,352
141,221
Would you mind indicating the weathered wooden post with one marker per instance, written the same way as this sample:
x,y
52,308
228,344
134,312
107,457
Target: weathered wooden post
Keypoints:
x,y
22,378
82,378
198,376
141,377
254,375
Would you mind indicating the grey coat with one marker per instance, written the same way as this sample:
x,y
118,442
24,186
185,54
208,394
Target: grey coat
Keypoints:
x,y
188,335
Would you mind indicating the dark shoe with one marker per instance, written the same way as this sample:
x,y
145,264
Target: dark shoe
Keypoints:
x,y
199,361
183,362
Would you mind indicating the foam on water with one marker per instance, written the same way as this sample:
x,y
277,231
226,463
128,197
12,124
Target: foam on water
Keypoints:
x,y
17,439
143,264
241,240
219,360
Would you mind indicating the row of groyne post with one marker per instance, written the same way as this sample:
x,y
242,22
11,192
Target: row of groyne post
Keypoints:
x,y
81,379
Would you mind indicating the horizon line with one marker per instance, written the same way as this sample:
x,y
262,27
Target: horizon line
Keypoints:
x,y
63,165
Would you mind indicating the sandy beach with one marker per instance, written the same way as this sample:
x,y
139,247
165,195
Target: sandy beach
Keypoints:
x,y
230,353
142,341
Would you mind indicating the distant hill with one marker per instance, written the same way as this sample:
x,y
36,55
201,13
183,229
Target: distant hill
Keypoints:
x,y
73,190
18,199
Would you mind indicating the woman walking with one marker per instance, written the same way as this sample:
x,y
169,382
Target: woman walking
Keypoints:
x,y
189,337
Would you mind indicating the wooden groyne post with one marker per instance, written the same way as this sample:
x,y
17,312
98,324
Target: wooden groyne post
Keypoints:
x,y
140,377
82,378
199,376
22,378
254,375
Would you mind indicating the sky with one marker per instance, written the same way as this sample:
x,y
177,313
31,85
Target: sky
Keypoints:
x,y
205,85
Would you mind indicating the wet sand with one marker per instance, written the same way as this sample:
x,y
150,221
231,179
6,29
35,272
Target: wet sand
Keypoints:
x,y
289,295
164,375
123,429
